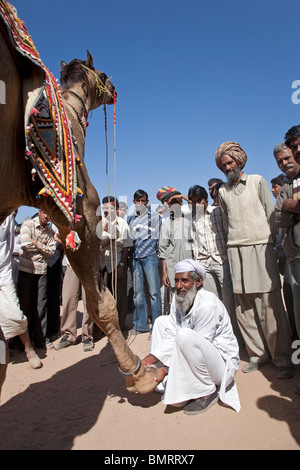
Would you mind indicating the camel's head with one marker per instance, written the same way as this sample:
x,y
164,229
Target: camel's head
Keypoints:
x,y
95,85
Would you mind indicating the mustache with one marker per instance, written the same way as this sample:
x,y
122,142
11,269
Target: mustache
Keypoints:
x,y
288,166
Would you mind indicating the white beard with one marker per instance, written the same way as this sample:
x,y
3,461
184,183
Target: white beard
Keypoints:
x,y
184,302
234,174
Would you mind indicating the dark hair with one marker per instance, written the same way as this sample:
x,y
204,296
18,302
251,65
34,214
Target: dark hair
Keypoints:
x,y
140,193
171,194
197,191
108,199
214,180
292,134
216,187
280,180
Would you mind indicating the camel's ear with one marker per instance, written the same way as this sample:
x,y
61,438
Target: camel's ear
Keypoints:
x,y
62,65
89,61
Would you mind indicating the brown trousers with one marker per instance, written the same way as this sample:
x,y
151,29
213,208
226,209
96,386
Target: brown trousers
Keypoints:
x,y
264,327
70,298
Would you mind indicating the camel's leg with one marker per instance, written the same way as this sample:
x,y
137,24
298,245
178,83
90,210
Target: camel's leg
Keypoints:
x,y
143,380
100,303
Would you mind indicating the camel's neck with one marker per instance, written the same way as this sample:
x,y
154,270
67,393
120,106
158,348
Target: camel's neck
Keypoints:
x,y
78,101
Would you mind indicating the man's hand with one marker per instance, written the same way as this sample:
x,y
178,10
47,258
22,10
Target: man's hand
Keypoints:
x,y
57,238
289,205
165,280
178,196
149,360
161,373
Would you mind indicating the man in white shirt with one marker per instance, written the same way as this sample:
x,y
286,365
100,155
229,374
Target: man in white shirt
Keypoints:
x,y
115,244
12,320
195,345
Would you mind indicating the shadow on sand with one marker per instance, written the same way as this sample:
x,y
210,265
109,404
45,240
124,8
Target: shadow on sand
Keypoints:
x,y
285,407
50,414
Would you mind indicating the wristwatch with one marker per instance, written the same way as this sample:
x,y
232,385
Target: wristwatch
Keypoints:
x,y
121,264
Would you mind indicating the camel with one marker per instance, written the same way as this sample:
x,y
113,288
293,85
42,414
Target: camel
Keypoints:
x,y
83,88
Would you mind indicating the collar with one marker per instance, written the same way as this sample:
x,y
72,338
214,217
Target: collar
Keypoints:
x,y
147,211
37,223
295,178
116,220
210,209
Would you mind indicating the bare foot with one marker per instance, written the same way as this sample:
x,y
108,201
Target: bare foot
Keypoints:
x,y
33,359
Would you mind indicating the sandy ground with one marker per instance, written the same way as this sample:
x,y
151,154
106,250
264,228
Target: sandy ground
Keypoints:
x,y
78,401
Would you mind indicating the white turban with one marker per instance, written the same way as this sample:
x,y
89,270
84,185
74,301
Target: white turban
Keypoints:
x,y
190,265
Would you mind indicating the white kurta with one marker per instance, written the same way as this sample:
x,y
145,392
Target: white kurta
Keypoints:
x,y
200,350
12,320
7,231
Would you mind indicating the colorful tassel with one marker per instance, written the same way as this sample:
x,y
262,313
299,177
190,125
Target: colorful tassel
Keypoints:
x,y
73,241
34,112
44,192
77,218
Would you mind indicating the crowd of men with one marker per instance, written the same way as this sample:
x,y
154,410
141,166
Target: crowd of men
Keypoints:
x,y
208,281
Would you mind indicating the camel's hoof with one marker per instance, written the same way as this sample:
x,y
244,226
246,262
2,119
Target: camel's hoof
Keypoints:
x,y
130,384
146,383
143,381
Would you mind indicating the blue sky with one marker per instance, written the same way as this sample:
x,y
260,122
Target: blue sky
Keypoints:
x,y
189,75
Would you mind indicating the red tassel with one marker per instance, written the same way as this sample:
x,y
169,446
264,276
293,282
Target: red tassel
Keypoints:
x,y
77,218
34,112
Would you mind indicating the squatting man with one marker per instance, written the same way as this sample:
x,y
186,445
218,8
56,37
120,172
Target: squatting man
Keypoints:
x,y
194,347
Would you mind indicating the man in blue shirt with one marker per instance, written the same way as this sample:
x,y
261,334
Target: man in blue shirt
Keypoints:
x,y
145,226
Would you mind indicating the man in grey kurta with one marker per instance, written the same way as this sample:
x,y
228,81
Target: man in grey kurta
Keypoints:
x,y
209,248
248,215
175,242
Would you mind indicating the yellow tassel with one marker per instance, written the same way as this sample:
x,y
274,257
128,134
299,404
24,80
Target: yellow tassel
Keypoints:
x,y
44,192
78,161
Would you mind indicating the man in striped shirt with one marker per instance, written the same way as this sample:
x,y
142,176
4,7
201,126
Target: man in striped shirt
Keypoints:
x,y
37,244
145,226
209,249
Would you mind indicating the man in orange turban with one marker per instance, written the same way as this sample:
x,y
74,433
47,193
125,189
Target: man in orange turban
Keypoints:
x,y
233,150
164,192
